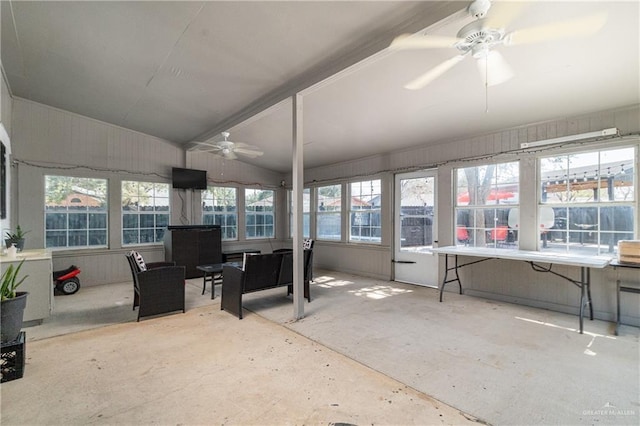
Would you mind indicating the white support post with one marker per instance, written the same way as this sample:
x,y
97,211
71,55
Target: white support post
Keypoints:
x,y
298,184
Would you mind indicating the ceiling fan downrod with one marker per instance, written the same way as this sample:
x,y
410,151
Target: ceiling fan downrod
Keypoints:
x,y
479,8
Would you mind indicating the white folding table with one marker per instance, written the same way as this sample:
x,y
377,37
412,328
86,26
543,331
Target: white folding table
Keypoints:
x,y
536,259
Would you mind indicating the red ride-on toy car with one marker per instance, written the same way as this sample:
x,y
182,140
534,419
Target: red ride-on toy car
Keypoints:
x,y
66,281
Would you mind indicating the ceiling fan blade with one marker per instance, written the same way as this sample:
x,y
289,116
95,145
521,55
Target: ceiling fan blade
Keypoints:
x,y
248,152
414,41
502,14
245,145
433,73
206,146
579,27
494,69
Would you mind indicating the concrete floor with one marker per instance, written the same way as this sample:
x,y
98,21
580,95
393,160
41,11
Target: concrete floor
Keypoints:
x,y
367,352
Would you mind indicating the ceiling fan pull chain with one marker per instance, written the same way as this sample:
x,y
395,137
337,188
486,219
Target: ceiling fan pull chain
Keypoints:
x,y
486,85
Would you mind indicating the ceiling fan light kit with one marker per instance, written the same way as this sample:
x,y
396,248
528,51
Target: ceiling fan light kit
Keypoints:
x,y
500,70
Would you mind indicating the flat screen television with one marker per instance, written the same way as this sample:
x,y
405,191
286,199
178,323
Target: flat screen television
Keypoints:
x,y
188,178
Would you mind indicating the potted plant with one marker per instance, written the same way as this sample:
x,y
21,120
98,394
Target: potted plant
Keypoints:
x,y
12,303
16,238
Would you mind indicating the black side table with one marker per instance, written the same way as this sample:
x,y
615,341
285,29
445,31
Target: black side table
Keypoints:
x,y
213,273
622,288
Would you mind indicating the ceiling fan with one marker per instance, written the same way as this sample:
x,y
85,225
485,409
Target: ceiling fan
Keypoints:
x,y
227,149
480,38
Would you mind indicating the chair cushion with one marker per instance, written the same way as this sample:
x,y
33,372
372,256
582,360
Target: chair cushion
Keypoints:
x,y
139,260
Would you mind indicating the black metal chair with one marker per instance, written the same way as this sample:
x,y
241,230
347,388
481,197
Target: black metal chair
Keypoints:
x,y
159,289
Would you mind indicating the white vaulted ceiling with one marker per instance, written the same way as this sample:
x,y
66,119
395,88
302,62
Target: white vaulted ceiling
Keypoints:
x,y
186,71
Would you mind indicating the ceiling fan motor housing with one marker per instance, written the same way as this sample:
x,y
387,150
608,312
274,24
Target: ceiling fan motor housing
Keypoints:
x,y
478,38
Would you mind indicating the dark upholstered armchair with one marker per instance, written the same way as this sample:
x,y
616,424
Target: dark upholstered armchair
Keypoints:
x,y
158,287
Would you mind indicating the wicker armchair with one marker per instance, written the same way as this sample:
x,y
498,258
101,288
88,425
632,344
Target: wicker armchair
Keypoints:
x,y
159,289
287,271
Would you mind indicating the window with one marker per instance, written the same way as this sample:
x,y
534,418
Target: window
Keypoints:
x,y
364,212
486,213
259,213
329,201
306,212
588,199
219,207
75,212
145,212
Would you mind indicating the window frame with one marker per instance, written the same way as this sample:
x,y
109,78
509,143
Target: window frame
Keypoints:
x,y
504,232
322,213
354,213
225,228
593,211
249,213
49,215
157,227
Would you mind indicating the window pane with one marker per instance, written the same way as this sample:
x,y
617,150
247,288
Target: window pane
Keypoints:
x,y
147,235
162,220
73,205
97,221
77,238
78,221
130,237
97,238
56,238
130,221
593,195
487,198
219,207
147,220
616,171
329,201
329,226
145,212
329,198
259,213
364,217
56,221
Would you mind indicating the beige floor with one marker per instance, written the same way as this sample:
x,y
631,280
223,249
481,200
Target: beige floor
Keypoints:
x,y
368,352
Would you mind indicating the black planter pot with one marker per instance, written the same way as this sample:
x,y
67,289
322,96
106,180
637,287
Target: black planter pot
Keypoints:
x,y
19,243
12,313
